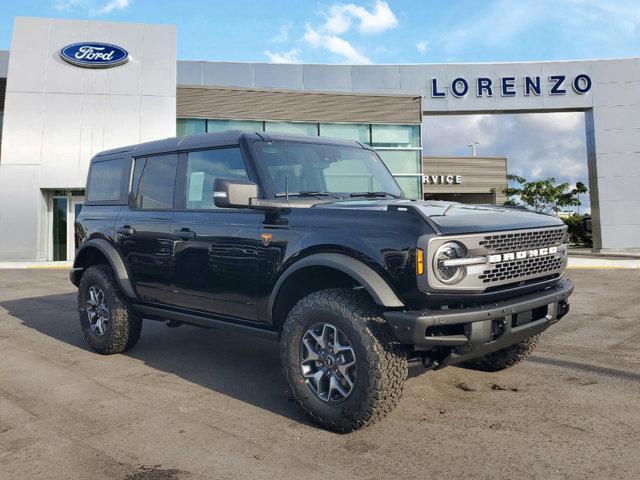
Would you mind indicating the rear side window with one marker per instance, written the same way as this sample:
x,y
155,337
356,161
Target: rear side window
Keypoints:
x,y
204,166
105,181
154,181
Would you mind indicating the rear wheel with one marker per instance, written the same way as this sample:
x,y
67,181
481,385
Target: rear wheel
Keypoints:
x,y
109,323
506,358
341,360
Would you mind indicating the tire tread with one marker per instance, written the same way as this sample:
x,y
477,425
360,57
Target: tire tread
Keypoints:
x,y
385,357
125,323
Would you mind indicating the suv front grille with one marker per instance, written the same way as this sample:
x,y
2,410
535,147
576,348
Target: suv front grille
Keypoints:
x,y
509,242
513,257
517,269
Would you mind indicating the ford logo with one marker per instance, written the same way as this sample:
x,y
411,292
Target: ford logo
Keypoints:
x,y
94,55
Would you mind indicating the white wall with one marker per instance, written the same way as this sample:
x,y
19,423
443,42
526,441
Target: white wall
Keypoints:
x,y
57,115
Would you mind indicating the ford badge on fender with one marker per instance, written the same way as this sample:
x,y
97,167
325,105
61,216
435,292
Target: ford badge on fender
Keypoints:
x,y
94,55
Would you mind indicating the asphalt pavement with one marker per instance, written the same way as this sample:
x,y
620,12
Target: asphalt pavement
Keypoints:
x,y
188,403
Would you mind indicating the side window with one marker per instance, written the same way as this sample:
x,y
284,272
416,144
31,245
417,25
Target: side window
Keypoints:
x,y
204,166
154,182
105,181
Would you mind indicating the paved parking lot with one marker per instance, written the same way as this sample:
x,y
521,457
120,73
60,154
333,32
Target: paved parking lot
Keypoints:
x,y
191,403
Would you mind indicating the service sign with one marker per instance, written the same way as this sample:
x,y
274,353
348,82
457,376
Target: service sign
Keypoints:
x,y
94,55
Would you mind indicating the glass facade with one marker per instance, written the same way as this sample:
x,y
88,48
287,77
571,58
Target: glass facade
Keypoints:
x,y
360,132
190,126
299,128
395,136
398,145
221,125
59,229
403,162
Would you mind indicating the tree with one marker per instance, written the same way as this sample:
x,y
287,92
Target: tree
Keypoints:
x,y
543,196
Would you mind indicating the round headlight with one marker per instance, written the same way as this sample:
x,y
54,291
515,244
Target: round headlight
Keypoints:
x,y
449,275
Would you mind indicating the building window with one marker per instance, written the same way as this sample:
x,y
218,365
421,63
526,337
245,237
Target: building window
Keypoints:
x,y
360,132
59,228
222,125
153,182
402,161
396,136
411,185
299,128
204,166
190,126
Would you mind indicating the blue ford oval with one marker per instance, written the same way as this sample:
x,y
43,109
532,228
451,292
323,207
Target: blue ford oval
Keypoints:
x,y
94,54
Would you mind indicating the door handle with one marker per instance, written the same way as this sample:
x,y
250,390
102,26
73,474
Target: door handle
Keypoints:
x,y
185,234
125,230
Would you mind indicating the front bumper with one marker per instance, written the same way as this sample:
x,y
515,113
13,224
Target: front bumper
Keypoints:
x,y
476,331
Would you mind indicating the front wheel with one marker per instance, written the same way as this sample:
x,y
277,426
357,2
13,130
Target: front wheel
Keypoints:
x,y
506,358
343,364
109,323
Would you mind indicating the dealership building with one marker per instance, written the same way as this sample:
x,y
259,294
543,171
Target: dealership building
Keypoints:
x,y
72,88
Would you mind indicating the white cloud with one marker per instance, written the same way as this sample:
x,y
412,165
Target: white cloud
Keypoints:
x,y
114,5
334,44
92,7
339,21
536,145
283,33
340,17
284,57
422,46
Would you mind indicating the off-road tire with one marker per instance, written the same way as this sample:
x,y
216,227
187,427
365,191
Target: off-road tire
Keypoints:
x,y
381,360
125,324
503,359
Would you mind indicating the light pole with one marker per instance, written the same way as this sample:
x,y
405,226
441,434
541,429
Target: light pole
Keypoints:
x,y
473,147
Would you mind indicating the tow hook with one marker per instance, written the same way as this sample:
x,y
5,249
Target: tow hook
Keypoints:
x,y
429,363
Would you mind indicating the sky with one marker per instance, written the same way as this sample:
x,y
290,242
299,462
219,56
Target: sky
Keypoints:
x,y
399,31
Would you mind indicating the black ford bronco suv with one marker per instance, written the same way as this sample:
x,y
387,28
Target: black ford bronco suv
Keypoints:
x,y
310,241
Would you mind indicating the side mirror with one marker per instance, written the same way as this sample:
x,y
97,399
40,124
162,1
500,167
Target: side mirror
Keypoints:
x,y
234,193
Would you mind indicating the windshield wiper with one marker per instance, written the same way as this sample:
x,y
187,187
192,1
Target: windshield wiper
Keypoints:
x,y
374,194
309,194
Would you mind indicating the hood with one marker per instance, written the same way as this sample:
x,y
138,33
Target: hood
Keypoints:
x,y
451,218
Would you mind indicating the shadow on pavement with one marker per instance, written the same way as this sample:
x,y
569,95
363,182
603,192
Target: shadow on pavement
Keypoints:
x,y
611,372
244,368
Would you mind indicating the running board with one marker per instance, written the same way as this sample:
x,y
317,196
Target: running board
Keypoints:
x,y
207,322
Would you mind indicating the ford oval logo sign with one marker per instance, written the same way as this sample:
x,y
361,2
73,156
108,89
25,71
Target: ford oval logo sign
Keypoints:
x,y
94,55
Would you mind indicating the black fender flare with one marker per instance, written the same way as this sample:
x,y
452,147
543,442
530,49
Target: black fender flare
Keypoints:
x,y
373,283
115,260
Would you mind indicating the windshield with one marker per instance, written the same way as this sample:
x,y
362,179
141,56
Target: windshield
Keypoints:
x,y
299,168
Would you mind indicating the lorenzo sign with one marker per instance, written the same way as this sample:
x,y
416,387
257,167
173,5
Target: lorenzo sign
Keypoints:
x,y
94,55
506,86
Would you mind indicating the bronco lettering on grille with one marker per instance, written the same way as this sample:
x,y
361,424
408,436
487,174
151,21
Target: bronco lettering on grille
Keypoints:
x,y
521,255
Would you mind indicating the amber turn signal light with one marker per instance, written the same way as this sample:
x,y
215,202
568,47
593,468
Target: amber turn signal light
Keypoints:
x,y
419,261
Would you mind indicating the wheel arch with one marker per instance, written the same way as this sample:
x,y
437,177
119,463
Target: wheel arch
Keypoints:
x,y
97,251
327,270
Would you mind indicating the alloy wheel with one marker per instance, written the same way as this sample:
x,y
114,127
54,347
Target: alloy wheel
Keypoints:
x,y
97,310
328,362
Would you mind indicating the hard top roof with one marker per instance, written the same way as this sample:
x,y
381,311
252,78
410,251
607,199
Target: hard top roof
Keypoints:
x,y
218,139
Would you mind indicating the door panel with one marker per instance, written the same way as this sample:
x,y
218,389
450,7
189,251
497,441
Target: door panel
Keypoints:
x,y
216,270
146,249
144,230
